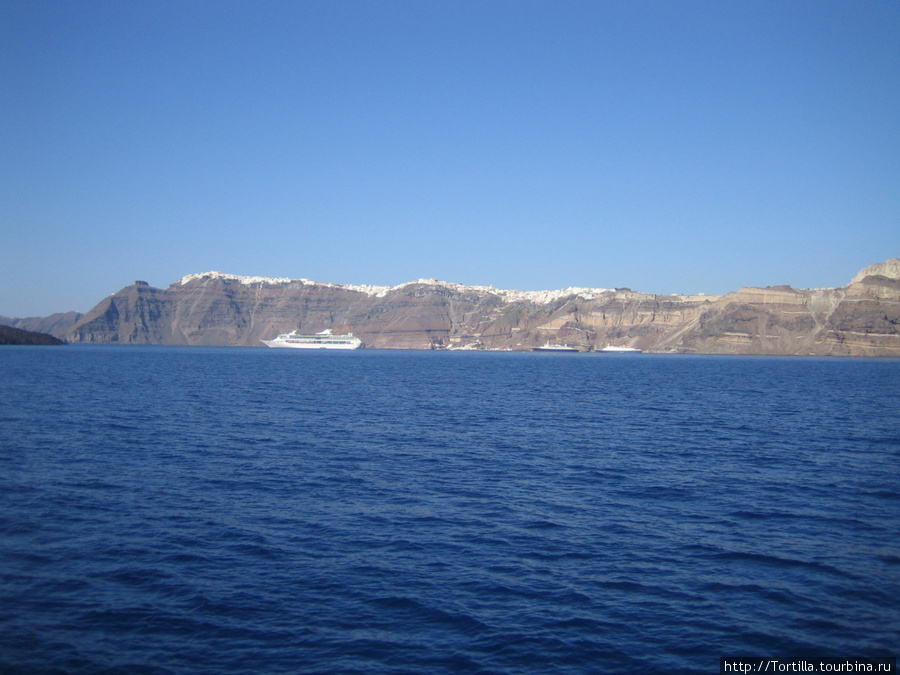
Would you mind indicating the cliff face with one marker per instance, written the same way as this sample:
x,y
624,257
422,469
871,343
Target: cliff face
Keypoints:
x,y
860,319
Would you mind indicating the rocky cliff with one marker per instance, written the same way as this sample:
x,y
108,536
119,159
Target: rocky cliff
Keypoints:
x,y
860,319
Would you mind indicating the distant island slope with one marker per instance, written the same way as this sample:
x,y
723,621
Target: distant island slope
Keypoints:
x,y
859,319
17,336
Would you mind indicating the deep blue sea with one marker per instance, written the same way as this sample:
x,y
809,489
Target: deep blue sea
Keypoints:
x,y
236,510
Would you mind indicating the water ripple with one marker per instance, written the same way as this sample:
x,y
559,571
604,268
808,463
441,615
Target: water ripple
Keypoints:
x,y
226,510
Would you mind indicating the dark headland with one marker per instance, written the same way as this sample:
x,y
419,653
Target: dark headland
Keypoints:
x,y
17,336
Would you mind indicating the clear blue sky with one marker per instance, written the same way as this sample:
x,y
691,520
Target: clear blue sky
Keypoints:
x,y
668,146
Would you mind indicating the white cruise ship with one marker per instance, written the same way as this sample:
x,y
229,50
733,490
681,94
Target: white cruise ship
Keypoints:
x,y
620,350
324,340
555,348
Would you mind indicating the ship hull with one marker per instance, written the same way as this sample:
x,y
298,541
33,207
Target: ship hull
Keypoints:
x,y
284,344
324,340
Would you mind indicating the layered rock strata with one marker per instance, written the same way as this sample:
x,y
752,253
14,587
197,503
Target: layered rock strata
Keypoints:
x,y
860,319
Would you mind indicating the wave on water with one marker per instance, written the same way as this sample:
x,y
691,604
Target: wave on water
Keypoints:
x,y
171,510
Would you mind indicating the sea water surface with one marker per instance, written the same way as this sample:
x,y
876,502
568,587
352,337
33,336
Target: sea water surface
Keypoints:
x,y
219,510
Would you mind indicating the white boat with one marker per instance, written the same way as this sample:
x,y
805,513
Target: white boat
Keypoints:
x,y
324,340
555,348
620,350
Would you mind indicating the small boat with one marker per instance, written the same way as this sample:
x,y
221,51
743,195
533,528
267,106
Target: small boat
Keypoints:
x,y
620,350
555,348
324,340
